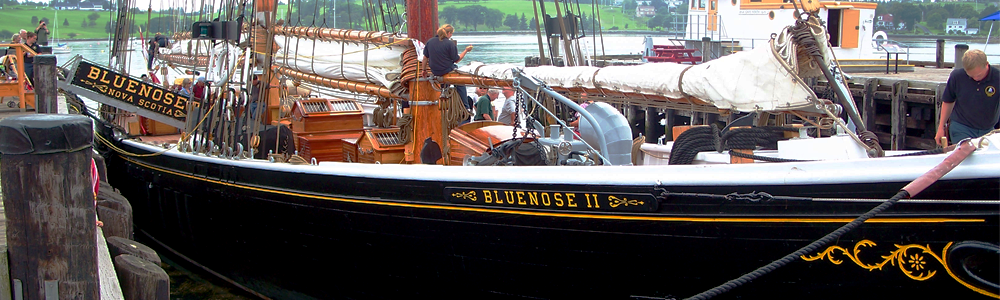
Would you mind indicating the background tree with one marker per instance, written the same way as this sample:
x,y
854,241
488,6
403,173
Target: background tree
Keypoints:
x,y
659,20
628,7
658,4
449,14
93,18
937,17
34,19
531,24
349,14
5,35
512,22
523,22
46,20
71,35
494,18
472,15
83,24
161,24
907,13
65,22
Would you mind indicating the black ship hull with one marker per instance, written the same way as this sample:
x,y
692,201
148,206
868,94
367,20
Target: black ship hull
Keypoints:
x,y
289,233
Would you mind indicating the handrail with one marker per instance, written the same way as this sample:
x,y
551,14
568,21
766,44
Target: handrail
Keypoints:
x,y
19,45
20,49
881,44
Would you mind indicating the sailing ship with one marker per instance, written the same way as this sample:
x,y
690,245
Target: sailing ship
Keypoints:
x,y
326,187
59,48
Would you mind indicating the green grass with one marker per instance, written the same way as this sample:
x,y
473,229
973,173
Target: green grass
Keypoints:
x,y
610,16
15,18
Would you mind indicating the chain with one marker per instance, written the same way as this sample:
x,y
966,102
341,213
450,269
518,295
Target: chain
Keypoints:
x,y
518,101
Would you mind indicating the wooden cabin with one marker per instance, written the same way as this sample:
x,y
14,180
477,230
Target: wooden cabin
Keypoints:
x,y
321,125
381,145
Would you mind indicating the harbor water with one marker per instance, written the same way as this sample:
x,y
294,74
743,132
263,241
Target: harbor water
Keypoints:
x,y
513,48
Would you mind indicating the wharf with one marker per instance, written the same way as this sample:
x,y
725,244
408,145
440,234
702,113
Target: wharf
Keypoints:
x,y
931,74
109,286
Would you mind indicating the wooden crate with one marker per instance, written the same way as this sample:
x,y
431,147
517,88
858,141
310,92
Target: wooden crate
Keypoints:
x,y
325,147
381,145
326,115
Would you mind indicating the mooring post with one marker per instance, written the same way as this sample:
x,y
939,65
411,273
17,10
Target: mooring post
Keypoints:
x,y
49,202
960,50
939,55
706,49
653,128
46,90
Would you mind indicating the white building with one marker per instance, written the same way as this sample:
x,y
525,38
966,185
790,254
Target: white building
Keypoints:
x,y
645,11
954,24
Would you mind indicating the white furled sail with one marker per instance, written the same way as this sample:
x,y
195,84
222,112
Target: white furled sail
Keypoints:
x,y
744,81
336,60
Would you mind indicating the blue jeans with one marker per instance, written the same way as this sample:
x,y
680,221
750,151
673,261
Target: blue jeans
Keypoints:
x,y
959,131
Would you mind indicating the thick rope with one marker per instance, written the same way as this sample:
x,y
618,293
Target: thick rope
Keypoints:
x,y
791,257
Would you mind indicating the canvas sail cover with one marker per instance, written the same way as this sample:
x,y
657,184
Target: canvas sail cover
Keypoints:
x,y
744,81
336,60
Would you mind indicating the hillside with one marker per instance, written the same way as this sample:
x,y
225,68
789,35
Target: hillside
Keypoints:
x,y
76,24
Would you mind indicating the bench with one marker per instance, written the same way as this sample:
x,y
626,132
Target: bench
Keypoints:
x,y
674,55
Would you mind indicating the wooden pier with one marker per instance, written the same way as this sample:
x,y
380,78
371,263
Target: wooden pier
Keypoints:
x,y
34,178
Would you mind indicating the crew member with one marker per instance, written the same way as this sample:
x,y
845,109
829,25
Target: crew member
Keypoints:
x,y
970,105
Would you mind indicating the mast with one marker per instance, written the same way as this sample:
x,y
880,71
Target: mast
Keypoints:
x,y
263,45
422,20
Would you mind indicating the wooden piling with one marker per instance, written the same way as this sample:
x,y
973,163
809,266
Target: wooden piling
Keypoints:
x,y
653,128
939,54
102,169
49,203
960,50
116,213
46,89
669,118
141,279
119,245
899,107
868,103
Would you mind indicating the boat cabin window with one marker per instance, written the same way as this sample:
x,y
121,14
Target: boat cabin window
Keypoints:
x,y
701,3
833,27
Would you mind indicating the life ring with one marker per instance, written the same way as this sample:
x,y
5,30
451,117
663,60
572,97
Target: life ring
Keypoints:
x,y
878,37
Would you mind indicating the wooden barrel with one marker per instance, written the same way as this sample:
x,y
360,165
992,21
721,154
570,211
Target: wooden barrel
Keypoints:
x,y
141,279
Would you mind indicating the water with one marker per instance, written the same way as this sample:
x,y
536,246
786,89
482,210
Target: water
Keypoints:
x,y
513,48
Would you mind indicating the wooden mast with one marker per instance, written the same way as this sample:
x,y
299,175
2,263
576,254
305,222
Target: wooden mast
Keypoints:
x,y
422,20
265,47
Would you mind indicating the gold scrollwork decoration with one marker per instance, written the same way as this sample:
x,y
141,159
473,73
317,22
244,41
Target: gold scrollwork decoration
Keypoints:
x,y
470,195
912,260
616,202
101,87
